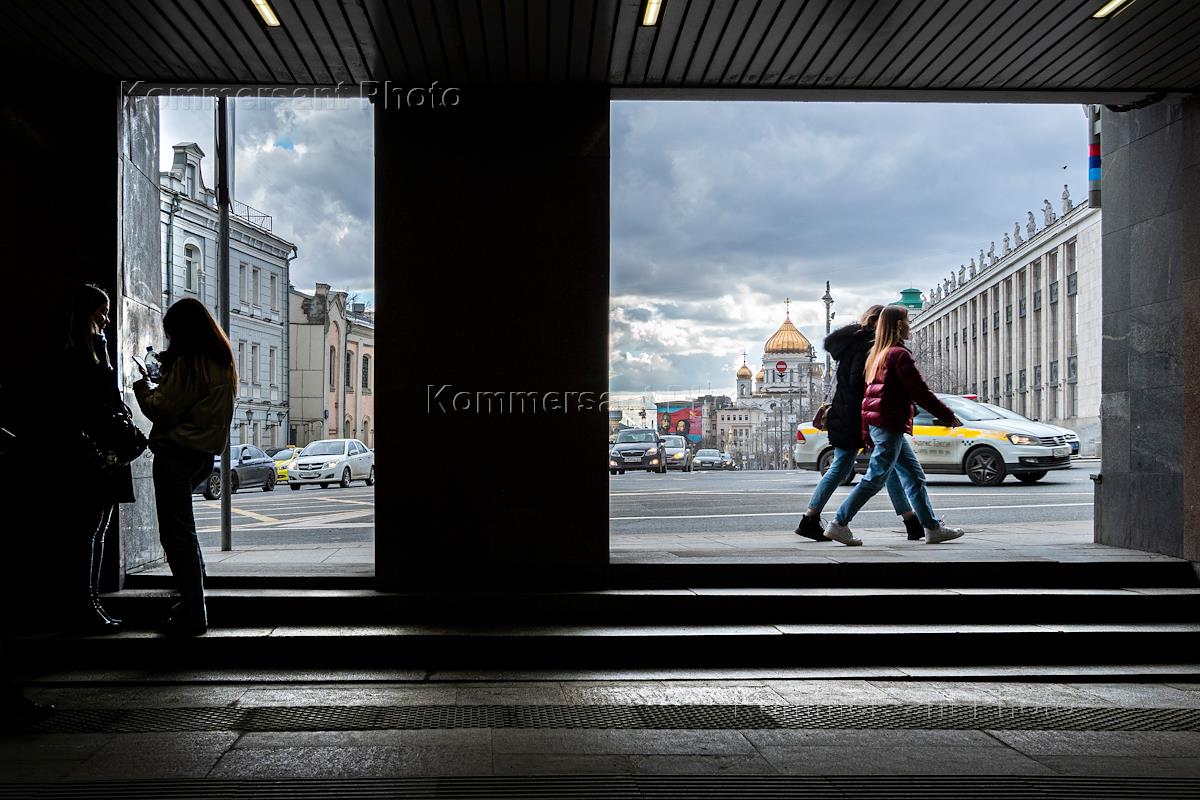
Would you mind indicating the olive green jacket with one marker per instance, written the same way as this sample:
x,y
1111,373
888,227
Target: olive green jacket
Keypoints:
x,y
191,408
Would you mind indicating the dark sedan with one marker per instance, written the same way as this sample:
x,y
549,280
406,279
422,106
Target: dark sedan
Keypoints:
x,y
249,468
637,448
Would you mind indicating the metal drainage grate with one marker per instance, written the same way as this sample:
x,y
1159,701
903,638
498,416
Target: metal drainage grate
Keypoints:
x,y
627,787
624,717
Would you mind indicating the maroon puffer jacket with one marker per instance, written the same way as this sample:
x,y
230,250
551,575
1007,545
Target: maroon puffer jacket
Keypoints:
x,y
888,400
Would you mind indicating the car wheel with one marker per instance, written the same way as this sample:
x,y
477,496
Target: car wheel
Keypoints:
x,y
345,481
371,477
612,472
620,472
212,490
985,467
826,461
233,483
269,483
295,487
324,485
1031,477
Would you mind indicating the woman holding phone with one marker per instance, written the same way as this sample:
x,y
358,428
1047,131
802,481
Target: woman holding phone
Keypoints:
x,y
92,396
191,410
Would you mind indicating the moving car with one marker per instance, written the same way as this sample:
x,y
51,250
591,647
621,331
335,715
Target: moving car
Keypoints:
x,y
678,454
1071,436
637,448
329,461
708,459
986,449
249,468
727,461
283,456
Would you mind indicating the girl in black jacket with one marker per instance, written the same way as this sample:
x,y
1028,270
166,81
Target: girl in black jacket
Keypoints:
x,y
93,397
849,346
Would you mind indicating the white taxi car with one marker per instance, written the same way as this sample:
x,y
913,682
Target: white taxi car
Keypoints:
x,y
986,449
332,461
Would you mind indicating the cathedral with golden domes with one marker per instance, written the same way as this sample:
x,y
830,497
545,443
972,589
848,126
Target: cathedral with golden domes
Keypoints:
x,y
789,368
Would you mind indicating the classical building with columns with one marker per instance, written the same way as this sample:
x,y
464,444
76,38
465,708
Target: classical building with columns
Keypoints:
x,y
1022,329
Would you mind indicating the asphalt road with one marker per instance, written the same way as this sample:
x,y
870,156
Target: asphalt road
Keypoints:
x,y
678,502
310,516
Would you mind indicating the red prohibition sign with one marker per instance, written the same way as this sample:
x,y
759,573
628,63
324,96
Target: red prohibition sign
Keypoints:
x,y
781,367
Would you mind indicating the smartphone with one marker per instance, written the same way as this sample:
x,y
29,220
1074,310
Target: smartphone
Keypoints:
x,y
141,365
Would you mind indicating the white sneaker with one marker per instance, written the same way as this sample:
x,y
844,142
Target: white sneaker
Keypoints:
x,y
942,534
840,533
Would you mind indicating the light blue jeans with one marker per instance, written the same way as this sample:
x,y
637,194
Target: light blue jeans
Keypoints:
x,y
840,470
891,456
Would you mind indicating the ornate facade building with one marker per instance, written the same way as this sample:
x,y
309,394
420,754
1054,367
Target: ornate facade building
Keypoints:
x,y
1022,328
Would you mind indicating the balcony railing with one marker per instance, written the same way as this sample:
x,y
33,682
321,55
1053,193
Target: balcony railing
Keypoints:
x,y
251,215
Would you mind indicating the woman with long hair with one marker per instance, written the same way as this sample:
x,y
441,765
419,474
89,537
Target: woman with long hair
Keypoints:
x,y
893,384
191,410
849,346
92,396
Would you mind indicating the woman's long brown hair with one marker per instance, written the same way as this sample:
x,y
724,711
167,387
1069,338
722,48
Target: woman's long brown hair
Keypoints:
x,y
85,300
194,333
887,336
870,317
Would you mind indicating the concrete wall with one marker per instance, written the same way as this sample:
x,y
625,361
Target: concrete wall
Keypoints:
x,y
497,246
1150,412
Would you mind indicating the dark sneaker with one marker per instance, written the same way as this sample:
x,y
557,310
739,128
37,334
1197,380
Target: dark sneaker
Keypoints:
x,y
914,528
810,528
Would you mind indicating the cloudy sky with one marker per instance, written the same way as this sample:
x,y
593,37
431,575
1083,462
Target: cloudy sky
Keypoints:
x,y
307,163
721,210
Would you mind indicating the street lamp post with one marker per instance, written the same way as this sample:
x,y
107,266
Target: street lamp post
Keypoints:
x,y
828,300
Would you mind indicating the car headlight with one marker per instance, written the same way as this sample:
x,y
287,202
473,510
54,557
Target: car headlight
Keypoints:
x,y
678,455
329,464
1021,438
653,451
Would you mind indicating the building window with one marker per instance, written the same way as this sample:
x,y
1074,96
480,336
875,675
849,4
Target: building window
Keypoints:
x,y
189,267
332,368
190,181
1008,313
349,370
242,361
996,320
241,283
1053,373
1037,299
1021,308
1037,375
271,366
1054,292
1021,381
996,387
366,373
256,281
1072,369
274,293
974,330
1072,284
254,377
1008,384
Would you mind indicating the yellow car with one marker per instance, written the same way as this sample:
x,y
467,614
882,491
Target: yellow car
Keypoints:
x,y
283,456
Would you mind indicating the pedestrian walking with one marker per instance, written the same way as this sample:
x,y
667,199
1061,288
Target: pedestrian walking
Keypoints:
x,y
88,399
893,384
191,410
849,346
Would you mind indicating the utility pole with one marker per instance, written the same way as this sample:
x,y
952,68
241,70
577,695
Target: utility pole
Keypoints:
x,y
828,300
224,178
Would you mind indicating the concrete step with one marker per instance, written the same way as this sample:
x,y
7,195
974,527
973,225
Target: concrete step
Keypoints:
x,y
429,646
271,607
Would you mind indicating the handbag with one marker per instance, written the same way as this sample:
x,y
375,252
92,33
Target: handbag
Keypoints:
x,y
819,419
115,441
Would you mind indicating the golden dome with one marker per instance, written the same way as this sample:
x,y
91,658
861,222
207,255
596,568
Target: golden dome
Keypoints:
x,y
761,376
743,372
788,339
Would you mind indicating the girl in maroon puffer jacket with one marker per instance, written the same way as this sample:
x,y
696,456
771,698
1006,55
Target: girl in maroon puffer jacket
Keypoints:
x,y
893,384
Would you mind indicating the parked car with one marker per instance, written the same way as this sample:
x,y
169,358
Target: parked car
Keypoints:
x,y
1071,436
329,461
249,468
987,448
708,459
637,448
283,457
677,453
727,461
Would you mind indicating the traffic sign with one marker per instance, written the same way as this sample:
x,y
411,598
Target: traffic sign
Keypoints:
x,y
781,367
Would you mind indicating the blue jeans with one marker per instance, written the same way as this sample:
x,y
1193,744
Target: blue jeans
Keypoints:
x,y
840,470
892,455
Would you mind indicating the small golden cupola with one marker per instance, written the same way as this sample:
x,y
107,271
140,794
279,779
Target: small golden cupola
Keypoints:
x,y
743,372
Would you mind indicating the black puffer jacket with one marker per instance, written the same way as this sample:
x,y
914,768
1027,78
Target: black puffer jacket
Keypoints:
x,y
89,393
849,346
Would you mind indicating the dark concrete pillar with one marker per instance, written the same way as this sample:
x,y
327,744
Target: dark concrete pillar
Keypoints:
x,y
492,260
1150,412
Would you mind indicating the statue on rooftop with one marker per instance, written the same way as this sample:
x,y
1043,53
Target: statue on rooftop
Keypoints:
x,y
1030,225
982,263
1007,244
962,275
1066,201
1048,213
1017,240
972,268
992,254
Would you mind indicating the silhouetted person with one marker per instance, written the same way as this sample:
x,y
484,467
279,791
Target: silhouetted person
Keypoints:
x,y
191,410
893,384
90,397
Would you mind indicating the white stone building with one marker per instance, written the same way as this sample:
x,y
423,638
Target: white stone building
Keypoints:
x,y
259,261
1023,332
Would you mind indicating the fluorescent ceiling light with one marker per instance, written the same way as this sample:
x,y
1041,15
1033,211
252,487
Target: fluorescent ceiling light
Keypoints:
x,y
1109,8
268,14
653,7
